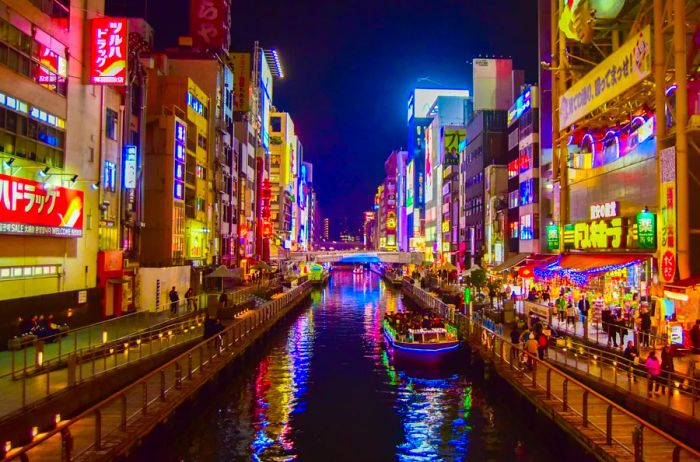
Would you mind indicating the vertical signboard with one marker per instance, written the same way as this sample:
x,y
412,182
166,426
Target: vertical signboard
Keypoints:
x,y
553,237
667,215
108,44
210,24
428,165
129,166
409,188
241,81
179,164
646,230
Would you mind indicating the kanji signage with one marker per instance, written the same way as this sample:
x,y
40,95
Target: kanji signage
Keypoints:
x,y
109,51
452,139
623,69
27,207
667,215
241,85
179,164
129,166
646,230
553,237
210,24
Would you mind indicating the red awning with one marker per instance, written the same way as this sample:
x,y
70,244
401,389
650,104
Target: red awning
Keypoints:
x,y
588,262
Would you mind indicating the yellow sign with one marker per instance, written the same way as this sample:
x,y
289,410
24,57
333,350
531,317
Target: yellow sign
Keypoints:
x,y
619,72
667,217
446,226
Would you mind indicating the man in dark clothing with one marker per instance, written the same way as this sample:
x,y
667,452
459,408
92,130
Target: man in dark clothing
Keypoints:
x,y
515,340
645,326
174,299
695,336
630,354
584,307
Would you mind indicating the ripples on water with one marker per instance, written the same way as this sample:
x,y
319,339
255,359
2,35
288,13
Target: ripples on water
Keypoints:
x,y
326,389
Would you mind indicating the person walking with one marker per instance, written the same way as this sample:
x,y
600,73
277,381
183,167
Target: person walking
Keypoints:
x,y
515,341
584,307
667,369
542,343
570,315
645,325
561,308
191,302
531,347
631,355
621,329
695,336
653,373
174,299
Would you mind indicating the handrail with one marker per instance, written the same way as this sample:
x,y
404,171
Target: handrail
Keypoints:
x,y
64,425
589,391
599,396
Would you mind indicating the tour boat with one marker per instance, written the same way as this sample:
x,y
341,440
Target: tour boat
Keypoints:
x,y
392,278
430,345
358,270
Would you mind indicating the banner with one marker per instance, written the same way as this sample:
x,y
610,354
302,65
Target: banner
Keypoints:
x,y
109,52
241,83
26,207
667,215
619,72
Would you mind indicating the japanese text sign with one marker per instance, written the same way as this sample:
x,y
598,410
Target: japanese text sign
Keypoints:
x,y
619,72
210,24
108,59
667,215
553,237
129,166
646,230
27,208
452,139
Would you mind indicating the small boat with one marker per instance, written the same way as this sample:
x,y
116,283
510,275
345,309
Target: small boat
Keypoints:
x,y
392,278
427,345
358,270
318,275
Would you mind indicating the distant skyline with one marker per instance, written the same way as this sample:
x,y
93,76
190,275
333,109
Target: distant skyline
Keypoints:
x,y
350,66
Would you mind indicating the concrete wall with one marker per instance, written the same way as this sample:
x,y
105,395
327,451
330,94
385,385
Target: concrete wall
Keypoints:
x,y
149,297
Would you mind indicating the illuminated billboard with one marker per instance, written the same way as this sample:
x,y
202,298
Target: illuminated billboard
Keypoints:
x,y
428,164
422,99
129,166
27,207
241,83
265,102
409,188
108,45
179,164
210,24
452,139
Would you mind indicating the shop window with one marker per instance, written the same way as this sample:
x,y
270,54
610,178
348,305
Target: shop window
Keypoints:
x,y
111,127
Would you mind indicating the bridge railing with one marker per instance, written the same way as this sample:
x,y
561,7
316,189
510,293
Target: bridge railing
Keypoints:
x,y
644,442
108,421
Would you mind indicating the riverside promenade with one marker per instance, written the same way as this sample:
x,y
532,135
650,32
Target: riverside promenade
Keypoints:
x,y
602,426
109,428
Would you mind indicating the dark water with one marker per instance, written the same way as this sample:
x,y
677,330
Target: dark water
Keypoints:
x,y
322,387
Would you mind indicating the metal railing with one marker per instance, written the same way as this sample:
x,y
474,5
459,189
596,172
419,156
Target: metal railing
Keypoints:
x,y
683,389
156,393
572,396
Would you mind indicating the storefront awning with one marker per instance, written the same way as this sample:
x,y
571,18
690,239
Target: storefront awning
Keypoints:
x,y
511,262
580,266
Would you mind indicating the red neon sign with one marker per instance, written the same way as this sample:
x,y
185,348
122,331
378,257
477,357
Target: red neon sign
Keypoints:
x,y
108,57
210,24
27,208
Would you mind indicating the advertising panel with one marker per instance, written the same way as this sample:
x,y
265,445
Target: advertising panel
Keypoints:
x,y
428,164
266,102
129,166
210,24
409,188
553,237
109,52
27,207
619,72
179,164
667,216
451,142
241,81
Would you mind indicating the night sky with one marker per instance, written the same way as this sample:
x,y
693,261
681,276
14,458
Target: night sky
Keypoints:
x,y
350,65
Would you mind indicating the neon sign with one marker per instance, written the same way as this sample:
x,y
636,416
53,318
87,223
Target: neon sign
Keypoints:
x,y
108,59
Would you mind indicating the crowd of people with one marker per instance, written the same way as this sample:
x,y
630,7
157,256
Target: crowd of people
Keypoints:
x,y
39,325
404,320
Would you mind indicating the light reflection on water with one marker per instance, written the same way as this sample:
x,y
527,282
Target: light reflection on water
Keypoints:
x,y
326,389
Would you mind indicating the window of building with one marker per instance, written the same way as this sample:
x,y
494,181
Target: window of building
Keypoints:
x,y
528,191
197,106
31,133
112,124
201,172
26,56
528,229
513,229
202,141
513,169
200,204
276,124
527,160
513,199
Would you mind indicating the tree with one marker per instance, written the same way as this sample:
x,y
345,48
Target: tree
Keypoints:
x,y
477,278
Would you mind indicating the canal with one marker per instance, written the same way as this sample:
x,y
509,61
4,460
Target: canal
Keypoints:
x,y
322,387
